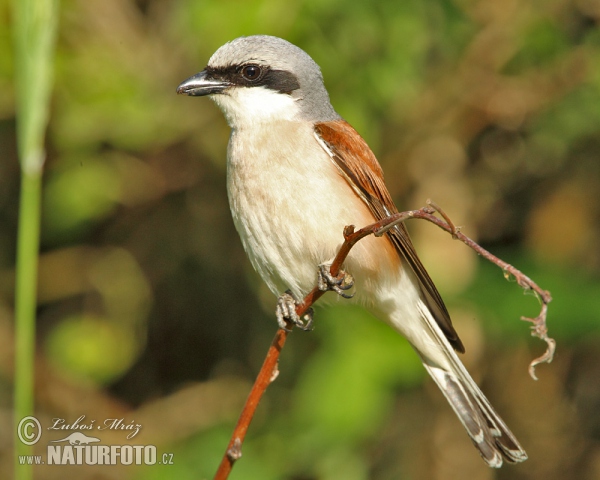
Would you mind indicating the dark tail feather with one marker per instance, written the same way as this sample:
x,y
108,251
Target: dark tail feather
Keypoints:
x,y
487,430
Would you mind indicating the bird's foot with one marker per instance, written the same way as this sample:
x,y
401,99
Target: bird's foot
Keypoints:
x,y
286,313
339,284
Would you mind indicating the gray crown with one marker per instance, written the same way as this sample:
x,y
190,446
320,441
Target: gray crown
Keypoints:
x,y
294,65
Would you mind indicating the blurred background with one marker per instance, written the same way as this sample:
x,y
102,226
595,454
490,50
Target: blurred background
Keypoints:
x,y
150,312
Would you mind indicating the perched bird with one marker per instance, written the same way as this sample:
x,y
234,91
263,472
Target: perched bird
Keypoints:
x,y
297,174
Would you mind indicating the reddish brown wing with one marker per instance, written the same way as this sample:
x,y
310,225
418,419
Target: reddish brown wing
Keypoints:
x,y
361,169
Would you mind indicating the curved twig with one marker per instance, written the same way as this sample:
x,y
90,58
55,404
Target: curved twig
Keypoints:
x,y
269,372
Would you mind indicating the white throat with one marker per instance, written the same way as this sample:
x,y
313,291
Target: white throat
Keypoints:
x,y
244,107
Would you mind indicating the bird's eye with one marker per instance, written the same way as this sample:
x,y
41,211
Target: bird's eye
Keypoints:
x,y
251,72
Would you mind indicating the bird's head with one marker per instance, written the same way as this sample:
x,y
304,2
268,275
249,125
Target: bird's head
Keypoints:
x,y
260,79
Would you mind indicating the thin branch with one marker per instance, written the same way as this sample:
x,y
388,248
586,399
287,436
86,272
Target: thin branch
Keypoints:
x,y
269,372
539,328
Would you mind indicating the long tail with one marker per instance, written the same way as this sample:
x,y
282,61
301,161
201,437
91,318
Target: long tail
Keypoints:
x,y
487,430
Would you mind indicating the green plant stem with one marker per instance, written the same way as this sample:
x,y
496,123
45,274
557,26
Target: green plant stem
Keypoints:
x,y
34,39
25,308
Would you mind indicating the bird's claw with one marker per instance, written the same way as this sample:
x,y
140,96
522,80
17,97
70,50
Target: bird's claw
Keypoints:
x,y
286,314
339,284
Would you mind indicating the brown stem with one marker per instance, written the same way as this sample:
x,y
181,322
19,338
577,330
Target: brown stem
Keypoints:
x,y
268,371
267,374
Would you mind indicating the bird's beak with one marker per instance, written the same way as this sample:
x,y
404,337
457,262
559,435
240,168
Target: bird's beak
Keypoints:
x,y
201,84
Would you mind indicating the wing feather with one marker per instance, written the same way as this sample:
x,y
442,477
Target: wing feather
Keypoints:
x,y
362,171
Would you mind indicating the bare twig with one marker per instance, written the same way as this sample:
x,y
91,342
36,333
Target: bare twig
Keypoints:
x,y
539,328
269,372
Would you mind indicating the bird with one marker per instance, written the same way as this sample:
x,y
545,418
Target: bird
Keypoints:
x,y
297,174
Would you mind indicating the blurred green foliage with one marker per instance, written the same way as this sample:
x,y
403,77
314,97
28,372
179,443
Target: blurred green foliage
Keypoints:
x,y
148,308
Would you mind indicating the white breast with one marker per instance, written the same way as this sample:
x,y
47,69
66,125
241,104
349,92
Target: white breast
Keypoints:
x,y
290,206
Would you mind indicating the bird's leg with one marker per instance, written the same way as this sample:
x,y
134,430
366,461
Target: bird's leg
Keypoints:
x,y
286,313
339,284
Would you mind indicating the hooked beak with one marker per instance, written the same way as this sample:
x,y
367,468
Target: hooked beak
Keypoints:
x,y
201,84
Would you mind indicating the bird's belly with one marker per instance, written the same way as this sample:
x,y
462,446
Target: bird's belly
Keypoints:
x,y
290,207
